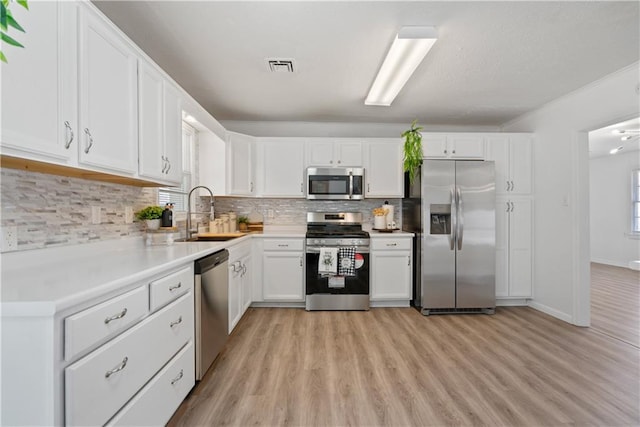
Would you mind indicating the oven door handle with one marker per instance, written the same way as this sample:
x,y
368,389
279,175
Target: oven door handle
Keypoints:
x,y
359,249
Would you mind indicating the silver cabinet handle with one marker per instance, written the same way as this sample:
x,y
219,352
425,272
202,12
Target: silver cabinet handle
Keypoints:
x,y
302,187
251,189
71,135
507,210
512,186
368,188
408,260
178,378
244,269
116,316
164,164
176,322
168,166
300,261
90,144
507,186
392,244
118,368
283,246
512,206
173,288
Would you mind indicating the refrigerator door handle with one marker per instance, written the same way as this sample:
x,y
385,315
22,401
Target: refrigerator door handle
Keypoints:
x,y
454,220
459,216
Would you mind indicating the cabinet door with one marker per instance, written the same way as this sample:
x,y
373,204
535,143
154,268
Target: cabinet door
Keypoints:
x,y
172,133
108,97
282,276
320,152
521,161
235,294
465,146
247,282
498,152
434,146
383,168
283,173
348,153
520,247
391,275
240,165
502,247
32,85
151,135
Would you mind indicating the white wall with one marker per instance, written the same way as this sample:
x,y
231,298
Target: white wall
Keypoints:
x,y
561,218
610,183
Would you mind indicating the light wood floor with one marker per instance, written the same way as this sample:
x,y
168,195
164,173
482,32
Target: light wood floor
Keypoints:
x,y
615,302
395,367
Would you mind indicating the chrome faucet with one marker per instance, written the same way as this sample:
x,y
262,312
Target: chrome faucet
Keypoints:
x,y
189,213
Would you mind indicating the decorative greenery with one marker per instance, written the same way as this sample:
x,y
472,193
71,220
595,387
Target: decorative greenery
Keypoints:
x,y
412,150
6,21
242,219
150,212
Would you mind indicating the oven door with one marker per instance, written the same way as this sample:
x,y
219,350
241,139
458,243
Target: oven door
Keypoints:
x,y
337,285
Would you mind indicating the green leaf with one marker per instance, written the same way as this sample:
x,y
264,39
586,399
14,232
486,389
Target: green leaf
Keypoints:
x,y
23,3
13,23
2,57
5,38
3,16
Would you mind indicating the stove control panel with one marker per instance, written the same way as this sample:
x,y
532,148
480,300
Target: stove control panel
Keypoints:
x,y
332,242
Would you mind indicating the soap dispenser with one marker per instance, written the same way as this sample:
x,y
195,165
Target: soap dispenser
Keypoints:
x,y
167,216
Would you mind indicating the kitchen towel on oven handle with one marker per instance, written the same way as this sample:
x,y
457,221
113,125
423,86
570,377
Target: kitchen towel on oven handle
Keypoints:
x,y
347,261
328,261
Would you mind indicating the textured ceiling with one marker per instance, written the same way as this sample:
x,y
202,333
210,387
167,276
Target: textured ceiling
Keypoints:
x,y
493,61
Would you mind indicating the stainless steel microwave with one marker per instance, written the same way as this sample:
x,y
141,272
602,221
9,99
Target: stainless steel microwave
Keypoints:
x,y
335,183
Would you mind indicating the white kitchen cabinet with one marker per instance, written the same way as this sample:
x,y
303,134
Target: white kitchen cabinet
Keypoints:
x,y
384,176
391,269
247,282
240,282
513,157
334,152
39,87
160,118
283,270
240,164
282,167
514,247
108,121
453,146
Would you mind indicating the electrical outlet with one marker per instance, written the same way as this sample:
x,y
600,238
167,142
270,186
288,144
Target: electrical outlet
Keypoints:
x,y
95,215
128,214
9,238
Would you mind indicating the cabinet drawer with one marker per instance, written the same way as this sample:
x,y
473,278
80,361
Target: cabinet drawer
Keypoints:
x,y
159,399
390,244
170,287
89,326
99,384
283,244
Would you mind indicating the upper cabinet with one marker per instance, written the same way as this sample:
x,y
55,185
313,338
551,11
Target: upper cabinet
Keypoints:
x,y
512,154
452,146
333,152
160,138
281,167
240,164
383,167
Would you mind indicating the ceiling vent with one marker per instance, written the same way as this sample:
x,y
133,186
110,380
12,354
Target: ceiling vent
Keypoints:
x,y
280,65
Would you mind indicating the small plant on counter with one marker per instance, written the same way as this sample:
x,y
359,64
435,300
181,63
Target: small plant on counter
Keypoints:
x,y
150,212
412,150
242,222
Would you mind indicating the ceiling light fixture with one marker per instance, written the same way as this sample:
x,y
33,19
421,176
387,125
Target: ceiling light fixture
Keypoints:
x,y
408,50
626,137
615,150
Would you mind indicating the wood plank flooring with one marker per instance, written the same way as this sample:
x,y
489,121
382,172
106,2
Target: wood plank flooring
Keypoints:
x,y
615,302
395,367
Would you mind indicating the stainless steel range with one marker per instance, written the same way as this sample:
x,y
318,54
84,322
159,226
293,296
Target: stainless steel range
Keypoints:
x,y
337,262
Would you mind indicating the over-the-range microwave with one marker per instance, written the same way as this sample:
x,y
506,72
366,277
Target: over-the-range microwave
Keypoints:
x,y
335,183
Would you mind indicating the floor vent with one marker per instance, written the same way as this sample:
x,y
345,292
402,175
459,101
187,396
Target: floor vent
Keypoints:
x,y
281,65
428,311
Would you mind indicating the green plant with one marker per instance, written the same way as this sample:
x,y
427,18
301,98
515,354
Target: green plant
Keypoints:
x,y
242,219
150,212
6,21
412,150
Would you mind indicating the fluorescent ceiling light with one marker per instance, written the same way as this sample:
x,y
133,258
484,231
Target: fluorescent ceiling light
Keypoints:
x,y
408,50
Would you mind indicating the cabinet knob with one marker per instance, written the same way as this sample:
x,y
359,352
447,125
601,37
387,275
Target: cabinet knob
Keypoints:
x,y
339,161
453,152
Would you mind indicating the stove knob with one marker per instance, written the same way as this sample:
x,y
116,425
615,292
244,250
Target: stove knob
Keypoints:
x,y
322,241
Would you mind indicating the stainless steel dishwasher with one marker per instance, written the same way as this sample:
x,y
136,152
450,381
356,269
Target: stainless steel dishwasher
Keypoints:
x,y
211,308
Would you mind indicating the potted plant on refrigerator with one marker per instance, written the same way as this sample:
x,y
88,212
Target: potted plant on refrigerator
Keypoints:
x,y
151,216
412,150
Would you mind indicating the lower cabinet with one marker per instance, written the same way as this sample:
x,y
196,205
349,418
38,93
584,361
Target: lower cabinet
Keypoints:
x,y
283,270
391,269
240,282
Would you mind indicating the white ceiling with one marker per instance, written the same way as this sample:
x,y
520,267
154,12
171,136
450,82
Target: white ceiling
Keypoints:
x,y
493,61
603,140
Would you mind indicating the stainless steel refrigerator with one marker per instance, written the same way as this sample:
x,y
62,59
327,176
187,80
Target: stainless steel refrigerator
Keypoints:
x,y
451,209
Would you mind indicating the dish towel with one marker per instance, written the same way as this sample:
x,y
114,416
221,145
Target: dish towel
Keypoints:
x,y
328,262
347,265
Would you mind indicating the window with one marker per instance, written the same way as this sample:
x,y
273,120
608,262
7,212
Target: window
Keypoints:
x,y
635,201
178,195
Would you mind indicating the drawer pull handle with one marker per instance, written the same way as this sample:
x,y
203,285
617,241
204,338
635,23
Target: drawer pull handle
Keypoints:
x,y
178,378
176,322
283,246
392,244
173,288
118,368
117,316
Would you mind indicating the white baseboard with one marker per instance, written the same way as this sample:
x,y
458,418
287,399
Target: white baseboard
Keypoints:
x,y
512,302
264,304
551,311
634,265
389,303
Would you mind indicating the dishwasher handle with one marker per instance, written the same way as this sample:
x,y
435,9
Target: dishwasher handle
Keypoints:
x,y
209,262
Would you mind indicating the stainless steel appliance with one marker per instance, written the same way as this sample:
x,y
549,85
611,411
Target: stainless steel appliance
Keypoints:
x,y
348,287
211,308
451,208
335,183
